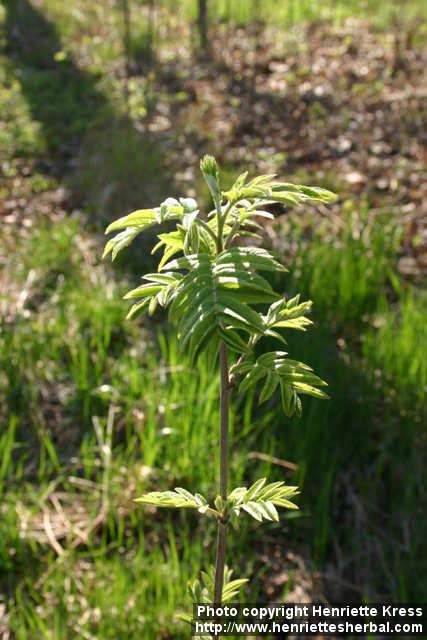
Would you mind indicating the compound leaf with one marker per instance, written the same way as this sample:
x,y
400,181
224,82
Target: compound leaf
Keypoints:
x,y
179,498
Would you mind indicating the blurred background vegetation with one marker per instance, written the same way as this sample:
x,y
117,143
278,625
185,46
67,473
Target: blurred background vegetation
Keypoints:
x,y
106,107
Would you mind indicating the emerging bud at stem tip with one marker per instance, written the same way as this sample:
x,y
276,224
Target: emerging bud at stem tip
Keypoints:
x,y
209,166
210,171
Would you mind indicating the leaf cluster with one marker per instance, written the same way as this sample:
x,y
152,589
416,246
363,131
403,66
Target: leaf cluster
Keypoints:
x,y
261,499
203,590
275,370
179,499
216,291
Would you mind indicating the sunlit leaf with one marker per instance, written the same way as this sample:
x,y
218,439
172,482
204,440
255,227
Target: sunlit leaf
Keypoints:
x,y
261,499
179,499
120,241
276,369
142,218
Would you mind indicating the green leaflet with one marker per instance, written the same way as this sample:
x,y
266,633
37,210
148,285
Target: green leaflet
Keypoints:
x,y
120,241
261,499
293,377
233,340
270,385
252,258
172,242
142,218
179,499
157,291
144,290
316,194
138,308
289,314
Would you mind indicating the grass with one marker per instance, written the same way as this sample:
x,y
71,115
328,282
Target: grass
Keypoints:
x,y
101,598
391,346
376,412
344,264
71,357
295,11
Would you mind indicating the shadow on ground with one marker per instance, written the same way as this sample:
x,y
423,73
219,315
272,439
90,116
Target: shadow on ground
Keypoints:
x,y
96,152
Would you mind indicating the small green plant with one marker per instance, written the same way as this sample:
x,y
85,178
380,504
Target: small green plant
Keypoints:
x,y
223,306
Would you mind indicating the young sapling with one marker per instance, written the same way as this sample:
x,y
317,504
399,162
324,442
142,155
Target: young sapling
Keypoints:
x,y
222,305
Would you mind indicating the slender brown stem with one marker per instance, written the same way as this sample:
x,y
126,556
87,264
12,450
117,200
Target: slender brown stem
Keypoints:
x,y
223,472
220,561
223,460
